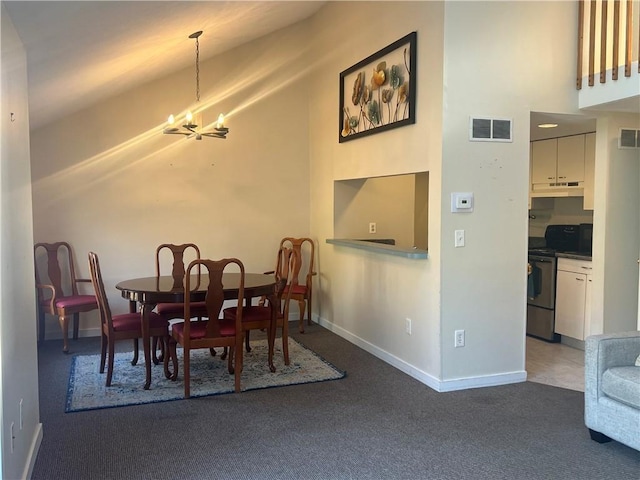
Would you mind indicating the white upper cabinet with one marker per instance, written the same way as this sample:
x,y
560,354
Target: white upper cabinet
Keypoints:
x,y
558,166
570,159
544,161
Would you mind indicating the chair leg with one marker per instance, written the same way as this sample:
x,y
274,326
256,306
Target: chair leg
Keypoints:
x,y
76,325
187,376
309,308
301,305
230,366
246,341
40,325
170,353
238,366
598,437
111,354
64,324
103,351
285,341
154,351
225,352
136,347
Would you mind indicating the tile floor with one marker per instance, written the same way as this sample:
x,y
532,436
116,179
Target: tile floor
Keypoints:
x,y
554,364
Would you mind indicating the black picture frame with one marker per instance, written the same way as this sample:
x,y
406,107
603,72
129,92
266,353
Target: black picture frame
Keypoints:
x,y
383,91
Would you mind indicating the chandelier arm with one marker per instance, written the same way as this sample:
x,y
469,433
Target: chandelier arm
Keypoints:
x,y
222,135
167,132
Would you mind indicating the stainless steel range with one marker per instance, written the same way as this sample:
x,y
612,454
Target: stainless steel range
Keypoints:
x,y
541,285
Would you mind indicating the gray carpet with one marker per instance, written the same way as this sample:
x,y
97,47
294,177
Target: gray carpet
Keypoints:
x,y
377,423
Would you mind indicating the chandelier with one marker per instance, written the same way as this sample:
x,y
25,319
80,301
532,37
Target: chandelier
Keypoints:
x,y
192,125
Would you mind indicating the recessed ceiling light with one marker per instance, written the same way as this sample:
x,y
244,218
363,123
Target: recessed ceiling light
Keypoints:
x,y
547,125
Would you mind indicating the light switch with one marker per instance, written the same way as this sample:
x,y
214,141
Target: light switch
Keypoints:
x,y
459,238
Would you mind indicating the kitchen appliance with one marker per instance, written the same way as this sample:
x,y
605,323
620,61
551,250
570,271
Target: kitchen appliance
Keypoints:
x,y
541,284
585,238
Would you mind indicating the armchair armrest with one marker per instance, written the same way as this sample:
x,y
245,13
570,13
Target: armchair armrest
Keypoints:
x,y
54,294
606,351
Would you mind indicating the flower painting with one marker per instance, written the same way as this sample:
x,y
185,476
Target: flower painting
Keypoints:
x,y
382,89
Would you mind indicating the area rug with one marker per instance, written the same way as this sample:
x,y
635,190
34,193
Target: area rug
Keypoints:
x,y
209,376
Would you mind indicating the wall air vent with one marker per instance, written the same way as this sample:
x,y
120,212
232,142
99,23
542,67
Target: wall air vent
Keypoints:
x,y
629,138
490,130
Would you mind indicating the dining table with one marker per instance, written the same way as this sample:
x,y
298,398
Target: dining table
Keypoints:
x,y
149,291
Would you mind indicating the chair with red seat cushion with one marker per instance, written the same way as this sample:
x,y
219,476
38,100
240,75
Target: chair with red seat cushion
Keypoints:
x,y
60,296
302,291
214,331
126,326
260,316
176,310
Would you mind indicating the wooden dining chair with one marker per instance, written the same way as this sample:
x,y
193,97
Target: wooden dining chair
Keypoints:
x,y
259,317
57,289
302,291
214,331
126,326
179,253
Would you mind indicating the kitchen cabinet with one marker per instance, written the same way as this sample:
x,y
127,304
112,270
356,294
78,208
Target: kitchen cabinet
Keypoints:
x,y
573,299
571,159
544,161
589,169
558,166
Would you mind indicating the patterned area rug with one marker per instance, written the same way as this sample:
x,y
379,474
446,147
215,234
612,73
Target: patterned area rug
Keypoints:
x,y
209,376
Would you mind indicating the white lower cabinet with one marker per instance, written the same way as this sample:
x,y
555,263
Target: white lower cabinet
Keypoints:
x,y
573,298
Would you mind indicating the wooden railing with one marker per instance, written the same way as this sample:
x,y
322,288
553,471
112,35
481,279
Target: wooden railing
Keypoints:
x,y
609,27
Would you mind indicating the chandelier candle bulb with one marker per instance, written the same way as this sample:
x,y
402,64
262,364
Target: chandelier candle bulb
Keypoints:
x,y
220,123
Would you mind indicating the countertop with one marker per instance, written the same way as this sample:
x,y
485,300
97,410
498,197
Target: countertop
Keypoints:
x,y
574,255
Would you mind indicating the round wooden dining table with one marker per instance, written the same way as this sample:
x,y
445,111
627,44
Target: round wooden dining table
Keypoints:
x,y
149,291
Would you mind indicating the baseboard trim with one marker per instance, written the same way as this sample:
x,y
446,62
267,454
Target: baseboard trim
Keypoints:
x,y
420,375
33,452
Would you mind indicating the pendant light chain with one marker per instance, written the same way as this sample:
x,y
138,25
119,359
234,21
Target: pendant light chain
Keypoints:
x,y
197,70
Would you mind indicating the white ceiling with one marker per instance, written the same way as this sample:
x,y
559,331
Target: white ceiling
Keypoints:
x,y
80,52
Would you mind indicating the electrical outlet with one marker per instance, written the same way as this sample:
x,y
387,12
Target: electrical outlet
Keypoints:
x,y
459,338
373,227
407,326
21,418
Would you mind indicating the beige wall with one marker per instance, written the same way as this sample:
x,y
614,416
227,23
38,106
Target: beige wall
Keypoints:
x,y
616,227
18,354
105,179
363,296
386,201
501,61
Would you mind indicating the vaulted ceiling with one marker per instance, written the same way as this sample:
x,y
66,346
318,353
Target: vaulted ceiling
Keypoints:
x,y
81,52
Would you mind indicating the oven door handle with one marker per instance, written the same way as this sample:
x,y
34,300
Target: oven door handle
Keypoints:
x,y
540,260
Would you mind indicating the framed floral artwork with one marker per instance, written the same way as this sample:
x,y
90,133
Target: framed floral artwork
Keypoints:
x,y
379,92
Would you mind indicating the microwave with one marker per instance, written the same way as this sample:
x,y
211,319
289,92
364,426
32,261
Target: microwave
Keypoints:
x,y
585,238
